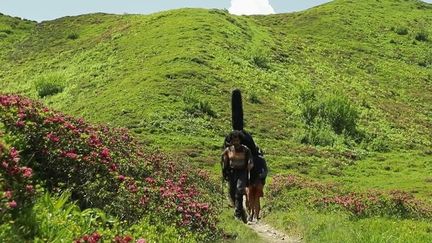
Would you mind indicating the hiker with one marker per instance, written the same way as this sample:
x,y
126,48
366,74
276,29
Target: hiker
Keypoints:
x,y
256,177
254,190
237,162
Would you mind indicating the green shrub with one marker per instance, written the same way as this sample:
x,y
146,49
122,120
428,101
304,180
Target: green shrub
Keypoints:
x,y
309,112
326,116
308,104
56,219
49,89
190,95
195,106
422,36
340,114
50,84
3,35
200,108
254,99
260,60
319,135
72,36
401,31
380,144
6,29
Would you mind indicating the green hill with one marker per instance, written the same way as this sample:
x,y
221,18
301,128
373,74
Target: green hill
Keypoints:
x,y
159,74
340,92
168,76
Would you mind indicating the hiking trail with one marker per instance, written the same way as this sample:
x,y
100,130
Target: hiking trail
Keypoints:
x,y
271,235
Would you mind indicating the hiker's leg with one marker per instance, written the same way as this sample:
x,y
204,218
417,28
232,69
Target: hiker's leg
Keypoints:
x,y
241,186
253,199
238,197
259,194
257,208
249,202
232,188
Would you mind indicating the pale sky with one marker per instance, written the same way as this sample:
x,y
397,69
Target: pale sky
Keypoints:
x,y
40,10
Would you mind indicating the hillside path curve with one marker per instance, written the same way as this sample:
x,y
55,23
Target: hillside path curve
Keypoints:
x,y
271,235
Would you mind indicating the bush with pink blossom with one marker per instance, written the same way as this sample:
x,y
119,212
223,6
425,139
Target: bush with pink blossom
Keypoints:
x,y
287,191
102,167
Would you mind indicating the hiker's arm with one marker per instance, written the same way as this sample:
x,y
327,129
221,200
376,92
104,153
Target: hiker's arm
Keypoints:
x,y
225,162
264,173
225,158
249,159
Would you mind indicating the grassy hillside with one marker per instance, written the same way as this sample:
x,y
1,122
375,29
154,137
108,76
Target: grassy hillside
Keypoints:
x,y
341,92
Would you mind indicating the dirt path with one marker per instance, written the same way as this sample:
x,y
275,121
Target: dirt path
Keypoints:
x,y
271,235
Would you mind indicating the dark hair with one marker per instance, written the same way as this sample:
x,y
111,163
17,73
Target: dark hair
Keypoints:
x,y
236,134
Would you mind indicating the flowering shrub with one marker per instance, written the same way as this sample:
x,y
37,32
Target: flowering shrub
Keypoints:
x,y
16,186
282,182
92,238
365,204
106,168
393,203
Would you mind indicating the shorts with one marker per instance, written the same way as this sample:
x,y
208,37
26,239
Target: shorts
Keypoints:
x,y
255,190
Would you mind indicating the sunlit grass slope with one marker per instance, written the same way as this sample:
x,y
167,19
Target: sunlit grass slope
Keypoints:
x,y
168,77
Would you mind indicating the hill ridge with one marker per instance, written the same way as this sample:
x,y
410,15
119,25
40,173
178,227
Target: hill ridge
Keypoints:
x,y
123,69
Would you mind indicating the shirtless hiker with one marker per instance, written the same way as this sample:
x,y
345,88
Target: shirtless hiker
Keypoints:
x,y
237,162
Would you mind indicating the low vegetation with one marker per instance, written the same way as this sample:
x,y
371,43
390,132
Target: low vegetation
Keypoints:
x,y
102,168
326,212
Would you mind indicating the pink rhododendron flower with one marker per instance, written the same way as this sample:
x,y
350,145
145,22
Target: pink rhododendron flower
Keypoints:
x,y
121,178
80,120
143,200
71,155
14,170
150,180
12,204
21,115
119,239
13,152
8,194
69,126
186,222
26,172
204,206
53,137
94,238
94,141
141,241
132,187
16,159
19,124
30,188
113,167
105,153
